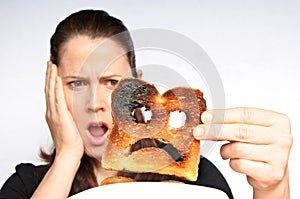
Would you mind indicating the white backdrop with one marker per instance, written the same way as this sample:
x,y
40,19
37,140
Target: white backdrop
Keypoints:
x,y
254,44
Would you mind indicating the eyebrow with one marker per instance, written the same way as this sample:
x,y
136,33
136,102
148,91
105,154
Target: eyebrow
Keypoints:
x,y
102,77
110,76
73,77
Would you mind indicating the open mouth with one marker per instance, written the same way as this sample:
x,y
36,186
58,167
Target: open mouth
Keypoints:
x,y
97,129
157,143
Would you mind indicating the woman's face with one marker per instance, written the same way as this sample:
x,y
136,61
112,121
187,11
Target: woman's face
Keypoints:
x,y
90,72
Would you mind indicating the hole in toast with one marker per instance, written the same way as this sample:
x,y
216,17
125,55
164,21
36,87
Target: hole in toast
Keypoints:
x,y
142,114
177,119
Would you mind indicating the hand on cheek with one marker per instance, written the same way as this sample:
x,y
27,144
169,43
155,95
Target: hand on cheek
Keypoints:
x,y
60,121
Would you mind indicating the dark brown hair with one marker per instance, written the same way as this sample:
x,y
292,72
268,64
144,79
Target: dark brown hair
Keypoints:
x,y
94,24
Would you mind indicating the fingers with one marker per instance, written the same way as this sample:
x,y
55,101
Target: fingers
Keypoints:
x,y
249,125
259,142
254,169
241,115
259,174
238,150
47,80
274,155
246,133
60,102
53,92
47,74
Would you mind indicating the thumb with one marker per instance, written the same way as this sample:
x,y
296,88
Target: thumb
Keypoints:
x,y
199,132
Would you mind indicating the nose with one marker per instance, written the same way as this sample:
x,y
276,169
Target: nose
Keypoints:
x,y
98,100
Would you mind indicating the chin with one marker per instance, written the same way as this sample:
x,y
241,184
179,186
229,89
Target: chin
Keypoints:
x,y
95,152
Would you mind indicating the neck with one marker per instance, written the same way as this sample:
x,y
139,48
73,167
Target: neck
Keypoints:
x,y
103,173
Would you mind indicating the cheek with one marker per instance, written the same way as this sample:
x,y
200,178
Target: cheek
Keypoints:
x,y
109,102
69,100
74,103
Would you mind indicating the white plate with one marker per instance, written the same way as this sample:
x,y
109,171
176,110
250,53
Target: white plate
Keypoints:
x,y
149,190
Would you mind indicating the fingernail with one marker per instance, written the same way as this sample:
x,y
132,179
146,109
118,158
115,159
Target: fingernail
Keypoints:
x,y
198,132
207,117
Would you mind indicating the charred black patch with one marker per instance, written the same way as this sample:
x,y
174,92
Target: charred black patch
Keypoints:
x,y
156,143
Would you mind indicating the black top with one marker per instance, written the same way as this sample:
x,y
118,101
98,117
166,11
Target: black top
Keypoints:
x,y
27,177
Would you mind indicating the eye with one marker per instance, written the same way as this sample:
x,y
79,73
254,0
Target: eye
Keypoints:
x,y
111,83
77,84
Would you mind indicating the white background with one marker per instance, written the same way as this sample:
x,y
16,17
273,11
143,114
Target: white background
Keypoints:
x,y
254,44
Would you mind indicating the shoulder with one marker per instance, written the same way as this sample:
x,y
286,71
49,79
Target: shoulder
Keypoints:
x,y
210,176
24,181
30,171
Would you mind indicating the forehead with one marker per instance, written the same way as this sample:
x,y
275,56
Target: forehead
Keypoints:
x,y
82,53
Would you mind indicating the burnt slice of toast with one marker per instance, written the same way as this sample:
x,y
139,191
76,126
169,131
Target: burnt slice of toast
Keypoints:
x,y
173,151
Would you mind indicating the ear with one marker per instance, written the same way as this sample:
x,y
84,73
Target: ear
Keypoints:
x,y
139,74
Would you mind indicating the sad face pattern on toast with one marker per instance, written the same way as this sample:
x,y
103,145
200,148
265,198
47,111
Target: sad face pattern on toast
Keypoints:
x,y
130,96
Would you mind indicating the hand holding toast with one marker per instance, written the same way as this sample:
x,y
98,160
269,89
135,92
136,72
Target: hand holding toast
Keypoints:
x,y
259,145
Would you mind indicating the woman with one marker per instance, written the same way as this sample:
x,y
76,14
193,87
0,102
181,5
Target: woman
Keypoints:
x,y
78,89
